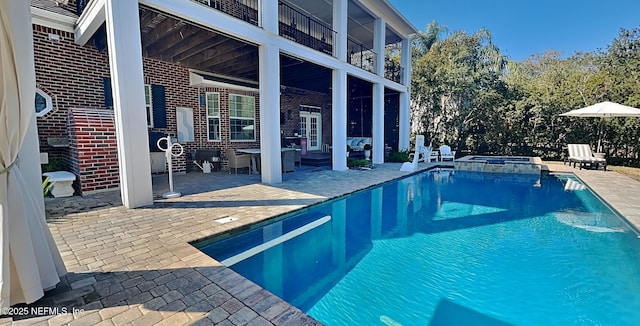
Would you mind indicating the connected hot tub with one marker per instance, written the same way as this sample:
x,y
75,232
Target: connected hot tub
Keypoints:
x,y
499,164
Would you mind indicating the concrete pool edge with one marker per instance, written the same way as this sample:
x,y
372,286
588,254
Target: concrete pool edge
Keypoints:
x,y
156,239
543,169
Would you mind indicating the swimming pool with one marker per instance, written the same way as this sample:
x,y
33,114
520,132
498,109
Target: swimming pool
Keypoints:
x,y
445,248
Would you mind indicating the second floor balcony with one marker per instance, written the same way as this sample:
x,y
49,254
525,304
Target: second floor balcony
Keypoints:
x,y
301,28
246,10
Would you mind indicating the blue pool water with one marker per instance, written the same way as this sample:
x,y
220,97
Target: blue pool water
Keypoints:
x,y
443,248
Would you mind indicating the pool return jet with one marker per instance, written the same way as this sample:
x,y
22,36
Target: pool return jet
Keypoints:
x,y
169,154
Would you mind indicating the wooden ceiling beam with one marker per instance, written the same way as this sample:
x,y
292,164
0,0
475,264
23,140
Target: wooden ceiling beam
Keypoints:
x,y
173,42
223,54
146,17
168,25
203,44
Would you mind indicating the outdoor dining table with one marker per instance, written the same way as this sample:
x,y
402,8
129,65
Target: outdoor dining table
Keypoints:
x,y
255,153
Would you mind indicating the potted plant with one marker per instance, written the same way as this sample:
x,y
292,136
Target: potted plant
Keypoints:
x,y
367,151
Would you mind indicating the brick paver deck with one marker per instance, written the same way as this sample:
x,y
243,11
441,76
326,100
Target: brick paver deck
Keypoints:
x,y
136,266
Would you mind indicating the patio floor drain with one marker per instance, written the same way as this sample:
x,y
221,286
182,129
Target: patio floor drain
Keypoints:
x,y
225,220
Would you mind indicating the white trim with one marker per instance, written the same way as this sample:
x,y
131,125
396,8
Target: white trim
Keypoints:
x,y
310,106
48,101
274,242
308,115
53,20
89,21
149,107
207,116
231,117
196,80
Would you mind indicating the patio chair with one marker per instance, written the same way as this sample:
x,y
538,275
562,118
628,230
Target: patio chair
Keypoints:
x,y
298,155
288,161
446,153
237,161
582,155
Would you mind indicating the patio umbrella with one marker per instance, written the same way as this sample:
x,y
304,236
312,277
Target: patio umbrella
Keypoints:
x,y
603,110
30,261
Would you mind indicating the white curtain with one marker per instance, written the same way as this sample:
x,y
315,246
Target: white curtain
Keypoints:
x,y
30,260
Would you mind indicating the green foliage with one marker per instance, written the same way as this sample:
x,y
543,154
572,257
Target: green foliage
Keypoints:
x,y
55,164
401,156
466,94
46,186
354,163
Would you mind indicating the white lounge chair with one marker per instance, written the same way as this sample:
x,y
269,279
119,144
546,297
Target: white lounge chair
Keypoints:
x,y
415,156
425,154
446,154
581,154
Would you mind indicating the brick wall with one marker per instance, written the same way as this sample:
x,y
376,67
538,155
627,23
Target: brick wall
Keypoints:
x,y
73,77
290,101
93,150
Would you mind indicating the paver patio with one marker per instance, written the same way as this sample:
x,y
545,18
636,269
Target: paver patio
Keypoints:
x,y
136,266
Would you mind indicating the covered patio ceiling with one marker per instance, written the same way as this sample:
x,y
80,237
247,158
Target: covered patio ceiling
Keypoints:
x,y
170,39
173,40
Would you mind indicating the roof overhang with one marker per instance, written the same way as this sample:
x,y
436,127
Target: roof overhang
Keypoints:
x,y
394,19
53,20
89,21
202,79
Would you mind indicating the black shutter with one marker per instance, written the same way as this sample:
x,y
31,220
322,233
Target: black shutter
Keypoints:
x,y
100,38
159,106
108,96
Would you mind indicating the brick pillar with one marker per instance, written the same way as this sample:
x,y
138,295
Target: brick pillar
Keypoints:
x,y
94,152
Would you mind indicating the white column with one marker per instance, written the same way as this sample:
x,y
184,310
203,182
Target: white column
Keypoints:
x,y
405,97
405,58
269,15
378,123
127,84
270,159
340,10
404,124
339,119
379,27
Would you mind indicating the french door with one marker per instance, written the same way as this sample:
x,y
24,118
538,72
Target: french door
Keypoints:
x,y
311,128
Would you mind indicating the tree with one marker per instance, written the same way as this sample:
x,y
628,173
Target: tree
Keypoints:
x,y
456,86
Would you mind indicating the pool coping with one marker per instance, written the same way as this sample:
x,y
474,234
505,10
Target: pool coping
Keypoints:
x,y
134,266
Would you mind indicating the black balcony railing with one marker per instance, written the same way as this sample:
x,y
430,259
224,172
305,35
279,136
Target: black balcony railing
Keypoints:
x,y
393,71
360,56
246,10
302,29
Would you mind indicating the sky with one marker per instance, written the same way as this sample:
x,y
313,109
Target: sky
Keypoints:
x,y
521,28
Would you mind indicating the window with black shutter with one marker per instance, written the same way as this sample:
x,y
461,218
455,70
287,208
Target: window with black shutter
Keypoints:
x,y
155,103
108,97
159,107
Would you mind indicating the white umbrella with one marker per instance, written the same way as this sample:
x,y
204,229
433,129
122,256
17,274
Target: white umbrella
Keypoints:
x,y
30,262
603,110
